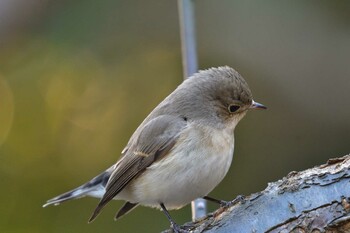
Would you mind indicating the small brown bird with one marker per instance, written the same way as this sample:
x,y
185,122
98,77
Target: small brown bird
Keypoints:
x,y
181,151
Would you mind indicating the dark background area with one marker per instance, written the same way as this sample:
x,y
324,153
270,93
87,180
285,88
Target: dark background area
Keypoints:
x,y
77,77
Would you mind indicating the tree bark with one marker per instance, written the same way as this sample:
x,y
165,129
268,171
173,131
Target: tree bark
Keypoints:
x,y
314,200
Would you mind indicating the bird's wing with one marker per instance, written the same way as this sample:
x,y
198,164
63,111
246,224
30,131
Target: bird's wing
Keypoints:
x,y
126,208
155,140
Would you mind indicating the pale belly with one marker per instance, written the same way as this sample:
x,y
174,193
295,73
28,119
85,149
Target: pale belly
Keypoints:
x,y
188,172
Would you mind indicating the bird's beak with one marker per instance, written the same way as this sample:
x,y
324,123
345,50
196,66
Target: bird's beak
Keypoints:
x,y
256,105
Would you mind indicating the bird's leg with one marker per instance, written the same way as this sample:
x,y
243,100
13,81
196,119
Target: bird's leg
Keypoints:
x,y
217,201
175,227
222,203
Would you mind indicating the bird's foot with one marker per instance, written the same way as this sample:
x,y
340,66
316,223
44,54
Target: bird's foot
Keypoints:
x,y
177,229
238,199
226,204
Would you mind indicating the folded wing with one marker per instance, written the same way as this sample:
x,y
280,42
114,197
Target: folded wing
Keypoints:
x,y
153,143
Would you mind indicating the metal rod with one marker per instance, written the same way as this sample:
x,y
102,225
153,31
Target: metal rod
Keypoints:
x,y
190,66
188,37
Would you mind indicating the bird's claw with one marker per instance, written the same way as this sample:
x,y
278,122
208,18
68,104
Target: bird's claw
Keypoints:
x,y
226,204
177,229
239,198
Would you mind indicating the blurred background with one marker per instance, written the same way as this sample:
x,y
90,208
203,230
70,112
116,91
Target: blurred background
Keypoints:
x,y
78,77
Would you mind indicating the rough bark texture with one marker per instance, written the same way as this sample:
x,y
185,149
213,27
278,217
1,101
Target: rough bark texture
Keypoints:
x,y
314,200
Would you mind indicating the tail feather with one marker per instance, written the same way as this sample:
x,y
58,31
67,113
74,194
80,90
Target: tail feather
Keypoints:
x,y
94,188
70,195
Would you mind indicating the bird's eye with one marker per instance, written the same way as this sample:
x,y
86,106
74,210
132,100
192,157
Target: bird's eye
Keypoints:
x,y
233,108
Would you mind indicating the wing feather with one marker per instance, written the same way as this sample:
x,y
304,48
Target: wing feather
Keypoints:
x,y
154,142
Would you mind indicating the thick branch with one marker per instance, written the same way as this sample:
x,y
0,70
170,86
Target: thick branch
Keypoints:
x,y
314,200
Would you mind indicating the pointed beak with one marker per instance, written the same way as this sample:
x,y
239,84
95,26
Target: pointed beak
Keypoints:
x,y
256,105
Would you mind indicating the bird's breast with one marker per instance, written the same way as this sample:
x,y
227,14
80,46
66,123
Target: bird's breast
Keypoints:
x,y
195,166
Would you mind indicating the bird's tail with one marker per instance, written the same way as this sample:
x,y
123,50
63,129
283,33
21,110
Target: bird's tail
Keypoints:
x,y
95,188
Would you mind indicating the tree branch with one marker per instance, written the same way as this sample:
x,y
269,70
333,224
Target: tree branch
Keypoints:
x,y
314,200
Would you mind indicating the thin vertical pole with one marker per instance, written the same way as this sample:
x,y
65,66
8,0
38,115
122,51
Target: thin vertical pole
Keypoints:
x,y
188,37
190,66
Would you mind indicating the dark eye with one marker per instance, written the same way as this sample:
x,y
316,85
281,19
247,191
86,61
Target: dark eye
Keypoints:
x,y
233,108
